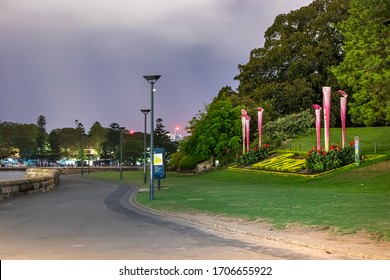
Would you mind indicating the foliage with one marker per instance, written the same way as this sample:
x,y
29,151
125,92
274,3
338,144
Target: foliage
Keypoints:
x,y
215,133
55,144
174,160
133,148
18,139
97,136
187,163
160,134
288,127
366,65
320,160
22,140
256,154
293,66
162,139
181,161
41,135
111,145
69,141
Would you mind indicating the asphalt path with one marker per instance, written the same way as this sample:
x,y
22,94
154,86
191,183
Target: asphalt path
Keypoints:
x,y
92,219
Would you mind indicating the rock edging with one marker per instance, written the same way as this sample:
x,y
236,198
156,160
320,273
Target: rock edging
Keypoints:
x,y
37,180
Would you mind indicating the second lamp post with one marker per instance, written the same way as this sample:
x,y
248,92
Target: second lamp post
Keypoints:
x,y
145,112
151,79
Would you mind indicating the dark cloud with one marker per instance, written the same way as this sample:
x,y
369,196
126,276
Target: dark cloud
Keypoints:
x,y
85,59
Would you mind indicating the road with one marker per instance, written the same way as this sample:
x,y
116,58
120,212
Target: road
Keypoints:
x,y
91,219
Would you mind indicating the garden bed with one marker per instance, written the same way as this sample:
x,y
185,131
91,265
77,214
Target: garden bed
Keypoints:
x,y
291,163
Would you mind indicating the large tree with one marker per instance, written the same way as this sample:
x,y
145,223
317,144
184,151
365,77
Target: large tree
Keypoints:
x,y
162,139
365,69
69,141
294,64
215,133
97,136
55,144
111,147
18,139
133,147
41,135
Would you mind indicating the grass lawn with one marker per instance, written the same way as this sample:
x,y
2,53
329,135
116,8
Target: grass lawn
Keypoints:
x,y
346,201
371,139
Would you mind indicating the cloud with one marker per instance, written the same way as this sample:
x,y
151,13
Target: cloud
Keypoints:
x,y
72,59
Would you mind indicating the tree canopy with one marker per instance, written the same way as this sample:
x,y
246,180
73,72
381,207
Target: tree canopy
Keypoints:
x,y
215,132
294,64
365,69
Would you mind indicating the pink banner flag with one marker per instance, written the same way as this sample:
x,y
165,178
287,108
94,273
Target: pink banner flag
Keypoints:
x,y
343,114
318,109
248,138
243,119
260,123
326,100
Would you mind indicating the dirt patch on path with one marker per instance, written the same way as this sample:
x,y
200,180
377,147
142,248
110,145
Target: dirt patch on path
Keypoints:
x,y
353,246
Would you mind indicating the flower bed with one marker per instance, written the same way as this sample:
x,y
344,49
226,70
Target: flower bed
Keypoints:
x,y
282,163
366,158
320,160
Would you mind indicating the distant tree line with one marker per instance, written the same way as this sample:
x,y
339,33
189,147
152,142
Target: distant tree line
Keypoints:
x,y
31,141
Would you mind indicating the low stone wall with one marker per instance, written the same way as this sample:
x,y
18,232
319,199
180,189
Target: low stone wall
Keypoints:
x,y
93,169
37,180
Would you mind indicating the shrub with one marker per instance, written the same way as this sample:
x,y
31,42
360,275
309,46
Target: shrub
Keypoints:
x,y
187,163
320,160
174,160
255,155
288,127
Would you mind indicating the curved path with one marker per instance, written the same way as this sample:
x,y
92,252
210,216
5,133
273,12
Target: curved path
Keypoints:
x,y
90,219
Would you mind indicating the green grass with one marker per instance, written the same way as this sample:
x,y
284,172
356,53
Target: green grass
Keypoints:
x,y
371,139
346,201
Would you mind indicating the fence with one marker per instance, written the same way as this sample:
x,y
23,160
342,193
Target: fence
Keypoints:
x,y
366,146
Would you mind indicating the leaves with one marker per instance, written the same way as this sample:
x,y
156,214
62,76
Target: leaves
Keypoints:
x,y
214,133
294,63
366,66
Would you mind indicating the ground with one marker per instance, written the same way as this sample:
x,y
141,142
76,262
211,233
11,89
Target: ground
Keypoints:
x,y
318,242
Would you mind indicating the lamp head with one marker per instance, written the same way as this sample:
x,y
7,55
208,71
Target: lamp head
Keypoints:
x,y
152,78
145,111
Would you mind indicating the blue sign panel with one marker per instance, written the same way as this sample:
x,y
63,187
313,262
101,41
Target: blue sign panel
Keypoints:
x,y
159,163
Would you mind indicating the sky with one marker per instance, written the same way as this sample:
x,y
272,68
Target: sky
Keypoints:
x,y
85,59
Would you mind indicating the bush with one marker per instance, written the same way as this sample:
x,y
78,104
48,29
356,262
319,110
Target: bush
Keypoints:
x,y
187,163
174,160
180,161
288,127
320,160
255,155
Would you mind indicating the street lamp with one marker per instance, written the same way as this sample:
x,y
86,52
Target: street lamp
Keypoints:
x,y
151,80
145,112
121,152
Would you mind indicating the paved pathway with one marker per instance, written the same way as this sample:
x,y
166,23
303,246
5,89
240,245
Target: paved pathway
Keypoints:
x,y
90,219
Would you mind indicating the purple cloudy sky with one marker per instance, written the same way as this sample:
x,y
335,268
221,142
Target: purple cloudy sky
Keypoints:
x,y
84,59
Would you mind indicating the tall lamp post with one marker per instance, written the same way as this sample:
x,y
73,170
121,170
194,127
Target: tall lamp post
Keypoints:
x,y
121,152
145,112
151,80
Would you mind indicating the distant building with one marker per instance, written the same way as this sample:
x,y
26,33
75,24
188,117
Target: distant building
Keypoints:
x,y
175,137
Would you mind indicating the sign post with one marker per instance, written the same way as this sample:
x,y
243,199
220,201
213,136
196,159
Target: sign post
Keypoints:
x,y
357,151
159,165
